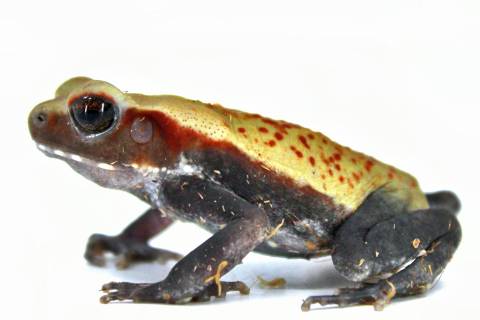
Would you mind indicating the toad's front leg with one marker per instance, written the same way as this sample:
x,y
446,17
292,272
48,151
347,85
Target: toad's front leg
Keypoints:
x,y
131,245
197,276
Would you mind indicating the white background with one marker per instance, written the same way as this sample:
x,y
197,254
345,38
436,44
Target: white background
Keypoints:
x,y
396,79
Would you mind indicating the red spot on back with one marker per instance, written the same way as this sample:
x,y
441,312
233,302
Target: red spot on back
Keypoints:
x,y
391,175
270,121
324,160
331,159
272,143
263,130
368,165
323,176
242,130
278,136
341,179
312,161
297,152
325,141
276,124
303,140
356,177
337,167
330,172
354,161
337,156
287,125
350,184
311,136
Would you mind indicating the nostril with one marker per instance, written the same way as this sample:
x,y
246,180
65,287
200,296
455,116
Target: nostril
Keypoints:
x,y
40,118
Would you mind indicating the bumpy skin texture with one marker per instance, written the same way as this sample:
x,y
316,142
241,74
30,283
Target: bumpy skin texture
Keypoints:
x,y
307,157
257,184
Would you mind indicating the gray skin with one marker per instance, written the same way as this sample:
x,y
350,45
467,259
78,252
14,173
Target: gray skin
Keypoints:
x,y
391,253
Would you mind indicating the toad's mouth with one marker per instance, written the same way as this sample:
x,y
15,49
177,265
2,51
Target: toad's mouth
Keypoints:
x,y
75,158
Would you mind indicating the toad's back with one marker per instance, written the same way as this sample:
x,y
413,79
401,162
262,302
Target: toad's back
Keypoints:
x,y
308,158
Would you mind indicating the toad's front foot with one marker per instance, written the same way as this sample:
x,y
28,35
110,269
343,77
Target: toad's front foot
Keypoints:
x,y
119,291
378,295
127,251
162,293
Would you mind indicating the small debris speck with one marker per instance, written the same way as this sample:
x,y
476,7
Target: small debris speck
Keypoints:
x,y
272,284
415,243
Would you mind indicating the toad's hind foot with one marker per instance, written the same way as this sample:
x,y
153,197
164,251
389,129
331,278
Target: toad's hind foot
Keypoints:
x,y
377,295
162,293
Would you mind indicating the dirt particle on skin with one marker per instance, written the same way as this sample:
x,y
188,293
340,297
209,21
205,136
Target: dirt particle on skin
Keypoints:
x,y
275,230
310,245
416,243
166,296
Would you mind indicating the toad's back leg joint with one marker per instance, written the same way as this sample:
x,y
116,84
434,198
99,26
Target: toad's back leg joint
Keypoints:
x,y
405,253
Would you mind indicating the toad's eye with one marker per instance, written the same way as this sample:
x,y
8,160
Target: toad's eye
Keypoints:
x,y
93,114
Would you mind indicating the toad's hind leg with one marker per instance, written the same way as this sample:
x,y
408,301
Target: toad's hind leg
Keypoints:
x,y
403,253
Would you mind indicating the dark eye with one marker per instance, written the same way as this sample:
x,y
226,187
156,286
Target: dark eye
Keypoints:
x,y
93,114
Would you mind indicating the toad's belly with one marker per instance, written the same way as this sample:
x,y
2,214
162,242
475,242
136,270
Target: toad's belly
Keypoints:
x,y
304,238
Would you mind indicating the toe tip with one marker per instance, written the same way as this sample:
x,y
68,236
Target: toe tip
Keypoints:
x,y
306,305
104,299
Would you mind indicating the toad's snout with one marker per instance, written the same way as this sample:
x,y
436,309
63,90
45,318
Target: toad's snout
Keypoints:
x,y
43,122
37,120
